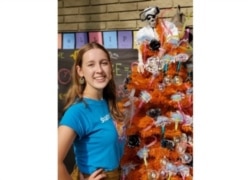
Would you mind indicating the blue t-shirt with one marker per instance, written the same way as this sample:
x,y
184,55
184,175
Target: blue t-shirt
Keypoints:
x,y
97,144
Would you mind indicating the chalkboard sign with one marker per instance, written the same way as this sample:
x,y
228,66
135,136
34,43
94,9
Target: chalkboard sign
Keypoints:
x,y
121,60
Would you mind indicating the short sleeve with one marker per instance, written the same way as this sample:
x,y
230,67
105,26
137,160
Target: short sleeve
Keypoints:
x,y
72,118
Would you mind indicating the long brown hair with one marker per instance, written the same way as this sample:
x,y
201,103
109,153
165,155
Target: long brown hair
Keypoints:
x,y
76,89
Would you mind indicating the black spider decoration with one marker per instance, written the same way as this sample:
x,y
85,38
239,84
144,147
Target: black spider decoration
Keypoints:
x,y
166,143
133,141
154,45
154,112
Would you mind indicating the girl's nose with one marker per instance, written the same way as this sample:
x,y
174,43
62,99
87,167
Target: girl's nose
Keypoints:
x,y
99,68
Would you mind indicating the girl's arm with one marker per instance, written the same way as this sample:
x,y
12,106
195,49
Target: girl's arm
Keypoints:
x,y
66,136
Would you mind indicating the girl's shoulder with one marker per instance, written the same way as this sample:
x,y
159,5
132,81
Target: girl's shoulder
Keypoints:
x,y
77,104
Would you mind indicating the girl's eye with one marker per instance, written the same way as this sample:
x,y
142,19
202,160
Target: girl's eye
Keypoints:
x,y
90,65
105,62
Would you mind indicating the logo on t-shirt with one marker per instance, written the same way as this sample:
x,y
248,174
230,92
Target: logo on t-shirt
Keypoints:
x,y
105,118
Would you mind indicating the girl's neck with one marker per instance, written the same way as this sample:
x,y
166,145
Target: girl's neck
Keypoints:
x,y
93,95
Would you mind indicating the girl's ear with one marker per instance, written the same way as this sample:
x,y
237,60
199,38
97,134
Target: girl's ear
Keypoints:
x,y
79,71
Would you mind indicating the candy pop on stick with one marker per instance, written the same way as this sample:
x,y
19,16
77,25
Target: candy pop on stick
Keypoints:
x,y
182,57
183,170
126,169
144,98
177,97
143,154
162,121
177,118
171,169
159,121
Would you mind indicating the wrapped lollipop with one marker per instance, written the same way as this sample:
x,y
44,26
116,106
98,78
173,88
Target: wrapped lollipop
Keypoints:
x,y
162,121
171,169
180,58
177,118
144,98
184,171
126,169
159,121
167,59
143,154
177,97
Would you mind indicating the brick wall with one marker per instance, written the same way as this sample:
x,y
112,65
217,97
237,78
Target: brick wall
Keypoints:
x,y
91,15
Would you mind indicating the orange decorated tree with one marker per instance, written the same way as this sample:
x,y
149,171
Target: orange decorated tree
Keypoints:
x,y
159,108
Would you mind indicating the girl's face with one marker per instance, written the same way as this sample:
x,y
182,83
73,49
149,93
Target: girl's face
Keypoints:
x,y
96,69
